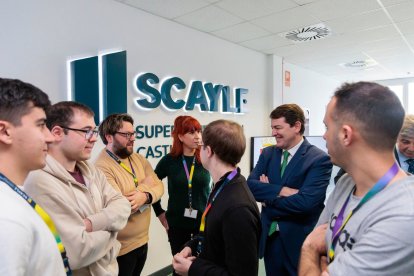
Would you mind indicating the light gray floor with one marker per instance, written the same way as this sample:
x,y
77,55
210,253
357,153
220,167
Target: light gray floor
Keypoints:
x,y
261,269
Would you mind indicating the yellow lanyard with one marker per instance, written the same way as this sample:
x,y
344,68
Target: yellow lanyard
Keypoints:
x,y
129,170
45,217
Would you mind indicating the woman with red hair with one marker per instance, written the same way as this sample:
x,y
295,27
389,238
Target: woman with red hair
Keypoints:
x,y
188,184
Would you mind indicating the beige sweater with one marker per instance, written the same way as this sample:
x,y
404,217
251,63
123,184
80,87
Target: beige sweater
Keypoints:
x,y
69,202
135,234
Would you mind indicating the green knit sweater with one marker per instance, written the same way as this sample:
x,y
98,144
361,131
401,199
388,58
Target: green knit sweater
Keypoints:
x,y
178,200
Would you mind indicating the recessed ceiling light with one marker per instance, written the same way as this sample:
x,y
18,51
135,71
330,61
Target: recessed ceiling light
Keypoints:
x,y
309,33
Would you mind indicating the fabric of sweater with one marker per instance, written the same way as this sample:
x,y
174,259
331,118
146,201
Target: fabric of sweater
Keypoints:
x,y
232,233
68,203
378,239
135,234
172,168
27,247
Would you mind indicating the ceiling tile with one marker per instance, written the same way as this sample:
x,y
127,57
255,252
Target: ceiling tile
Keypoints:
x,y
303,2
400,65
406,27
250,9
377,34
282,51
360,30
381,44
410,39
286,21
241,32
359,22
168,9
268,42
331,9
389,53
209,19
387,3
402,12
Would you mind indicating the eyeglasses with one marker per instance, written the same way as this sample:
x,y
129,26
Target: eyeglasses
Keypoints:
x,y
127,135
89,133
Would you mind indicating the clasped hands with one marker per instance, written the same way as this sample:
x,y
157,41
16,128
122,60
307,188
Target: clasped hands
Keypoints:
x,y
313,249
138,198
182,261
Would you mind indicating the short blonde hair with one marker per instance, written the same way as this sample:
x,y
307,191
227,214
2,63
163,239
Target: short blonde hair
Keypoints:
x,y
407,130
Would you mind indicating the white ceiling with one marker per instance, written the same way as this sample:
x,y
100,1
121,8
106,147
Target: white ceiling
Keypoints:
x,y
382,30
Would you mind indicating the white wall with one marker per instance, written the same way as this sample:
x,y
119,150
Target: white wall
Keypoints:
x,y
38,37
312,91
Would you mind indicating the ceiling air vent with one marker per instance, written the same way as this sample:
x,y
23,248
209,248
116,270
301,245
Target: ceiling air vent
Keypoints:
x,y
308,33
360,64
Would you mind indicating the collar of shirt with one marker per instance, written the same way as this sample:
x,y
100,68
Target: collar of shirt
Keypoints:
x,y
293,150
402,159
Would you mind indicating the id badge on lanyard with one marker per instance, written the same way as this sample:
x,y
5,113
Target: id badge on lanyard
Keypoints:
x,y
190,212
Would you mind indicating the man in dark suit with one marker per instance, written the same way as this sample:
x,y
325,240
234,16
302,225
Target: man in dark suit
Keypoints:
x,y
290,179
404,151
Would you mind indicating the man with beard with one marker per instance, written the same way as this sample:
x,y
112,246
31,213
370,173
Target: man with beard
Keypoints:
x,y
132,175
87,211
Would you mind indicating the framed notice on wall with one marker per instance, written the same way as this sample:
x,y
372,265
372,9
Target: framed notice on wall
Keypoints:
x,y
257,144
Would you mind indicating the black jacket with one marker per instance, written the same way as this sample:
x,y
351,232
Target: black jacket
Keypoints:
x,y
232,232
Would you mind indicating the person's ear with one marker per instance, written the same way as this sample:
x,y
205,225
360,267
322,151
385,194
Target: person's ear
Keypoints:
x,y
180,137
347,135
297,126
5,132
57,132
209,151
109,138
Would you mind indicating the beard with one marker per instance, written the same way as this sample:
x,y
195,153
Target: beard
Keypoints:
x,y
121,151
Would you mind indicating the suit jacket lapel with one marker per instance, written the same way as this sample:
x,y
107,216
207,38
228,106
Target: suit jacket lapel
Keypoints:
x,y
396,156
278,160
295,159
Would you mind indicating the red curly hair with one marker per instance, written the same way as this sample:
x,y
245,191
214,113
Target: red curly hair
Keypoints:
x,y
183,125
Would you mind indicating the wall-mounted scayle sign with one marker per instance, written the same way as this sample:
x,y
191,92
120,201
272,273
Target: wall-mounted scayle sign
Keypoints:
x,y
101,82
173,94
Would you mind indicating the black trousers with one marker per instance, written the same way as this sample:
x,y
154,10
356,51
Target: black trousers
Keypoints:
x,y
132,263
277,263
177,238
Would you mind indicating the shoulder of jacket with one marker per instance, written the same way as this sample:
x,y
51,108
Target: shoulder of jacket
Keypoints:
x,y
269,149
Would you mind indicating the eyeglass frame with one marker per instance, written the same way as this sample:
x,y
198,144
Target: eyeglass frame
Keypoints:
x,y
127,135
88,132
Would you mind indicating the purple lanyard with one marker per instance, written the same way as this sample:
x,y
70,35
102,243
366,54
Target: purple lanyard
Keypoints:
x,y
340,223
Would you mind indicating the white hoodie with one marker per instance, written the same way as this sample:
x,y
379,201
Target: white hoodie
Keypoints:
x,y
69,202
